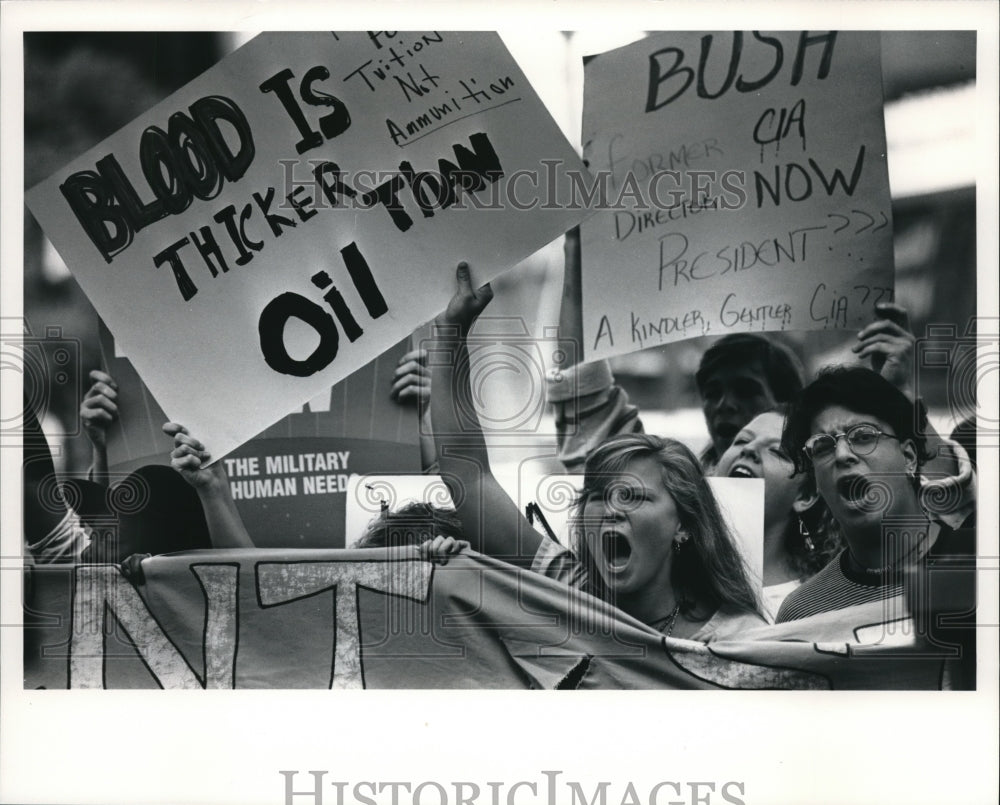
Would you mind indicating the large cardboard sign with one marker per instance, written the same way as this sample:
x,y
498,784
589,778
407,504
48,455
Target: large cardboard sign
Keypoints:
x,y
377,619
299,208
746,186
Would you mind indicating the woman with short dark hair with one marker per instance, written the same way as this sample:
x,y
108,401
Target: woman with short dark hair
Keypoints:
x,y
861,441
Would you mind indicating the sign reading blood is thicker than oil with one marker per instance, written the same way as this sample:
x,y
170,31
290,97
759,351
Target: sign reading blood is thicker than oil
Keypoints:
x,y
301,207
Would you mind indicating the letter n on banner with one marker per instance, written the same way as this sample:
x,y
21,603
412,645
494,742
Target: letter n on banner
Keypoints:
x,y
100,591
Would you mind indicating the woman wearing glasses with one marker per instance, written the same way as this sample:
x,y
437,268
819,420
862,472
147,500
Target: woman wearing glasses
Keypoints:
x,y
862,442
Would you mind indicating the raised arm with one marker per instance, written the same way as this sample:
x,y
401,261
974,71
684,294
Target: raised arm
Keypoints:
x,y
225,526
411,384
98,411
889,343
492,522
571,308
589,406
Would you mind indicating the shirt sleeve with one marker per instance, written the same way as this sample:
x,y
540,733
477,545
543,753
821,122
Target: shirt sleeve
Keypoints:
x,y
559,563
589,408
950,499
63,544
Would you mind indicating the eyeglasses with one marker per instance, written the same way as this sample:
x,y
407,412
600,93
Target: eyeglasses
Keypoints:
x,y
862,439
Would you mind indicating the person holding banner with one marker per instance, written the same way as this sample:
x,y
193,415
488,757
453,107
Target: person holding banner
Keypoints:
x,y
863,443
653,541
413,523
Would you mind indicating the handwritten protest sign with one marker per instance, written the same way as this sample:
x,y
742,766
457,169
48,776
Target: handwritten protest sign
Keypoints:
x,y
299,208
746,183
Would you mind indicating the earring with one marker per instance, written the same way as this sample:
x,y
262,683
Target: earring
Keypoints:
x,y
679,542
806,537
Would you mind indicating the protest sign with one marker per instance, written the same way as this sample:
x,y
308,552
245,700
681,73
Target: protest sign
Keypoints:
x,y
299,208
746,186
378,619
289,482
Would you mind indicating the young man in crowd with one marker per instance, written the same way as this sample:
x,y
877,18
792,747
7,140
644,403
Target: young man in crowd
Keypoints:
x,y
740,376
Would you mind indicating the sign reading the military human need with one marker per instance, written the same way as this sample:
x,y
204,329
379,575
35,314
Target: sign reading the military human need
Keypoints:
x,y
746,187
299,208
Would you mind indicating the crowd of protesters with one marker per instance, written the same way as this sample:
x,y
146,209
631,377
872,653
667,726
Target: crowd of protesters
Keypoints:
x,y
862,499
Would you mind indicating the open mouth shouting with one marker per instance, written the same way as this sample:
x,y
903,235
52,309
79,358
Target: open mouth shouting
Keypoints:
x,y
742,471
858,492
617,549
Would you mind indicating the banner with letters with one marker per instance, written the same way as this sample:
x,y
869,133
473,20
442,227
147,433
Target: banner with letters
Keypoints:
x,y
746,187
299,208
377,619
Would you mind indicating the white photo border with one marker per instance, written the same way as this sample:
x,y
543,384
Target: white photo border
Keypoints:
x,y
229,747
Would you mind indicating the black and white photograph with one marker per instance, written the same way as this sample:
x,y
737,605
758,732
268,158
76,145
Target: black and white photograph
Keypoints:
x,y
362,388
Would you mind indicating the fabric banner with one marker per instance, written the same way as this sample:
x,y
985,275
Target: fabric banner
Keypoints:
x,y
747,187
377,619
299,208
